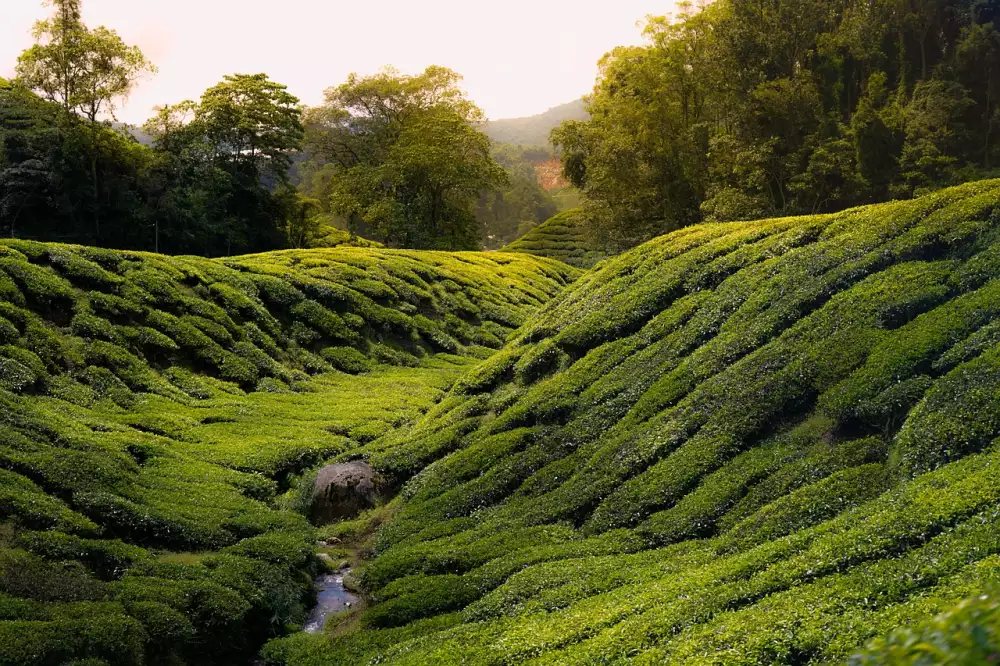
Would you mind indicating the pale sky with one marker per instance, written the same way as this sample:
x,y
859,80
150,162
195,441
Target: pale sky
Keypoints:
x,y
518,57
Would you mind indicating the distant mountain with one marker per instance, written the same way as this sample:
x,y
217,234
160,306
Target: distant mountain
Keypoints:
x,y
534,130
136,132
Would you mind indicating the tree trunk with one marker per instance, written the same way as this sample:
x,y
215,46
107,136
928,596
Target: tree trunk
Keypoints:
x,y
923,58
989,119
96,194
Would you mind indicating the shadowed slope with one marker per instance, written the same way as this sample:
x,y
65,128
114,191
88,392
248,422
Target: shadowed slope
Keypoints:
x,y
747,443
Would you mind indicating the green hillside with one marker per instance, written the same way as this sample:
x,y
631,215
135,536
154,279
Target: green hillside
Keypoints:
x,y
155,411
534,130
560,237
747,443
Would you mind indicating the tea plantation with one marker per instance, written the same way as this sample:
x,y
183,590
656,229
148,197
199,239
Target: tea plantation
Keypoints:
x,y
769,442
560,237
155,414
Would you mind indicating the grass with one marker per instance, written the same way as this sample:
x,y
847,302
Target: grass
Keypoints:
x,y
747,443
159,418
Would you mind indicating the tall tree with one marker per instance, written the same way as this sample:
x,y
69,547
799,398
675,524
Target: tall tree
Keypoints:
x,y
55,66
252,122
226,154
85,71
401,157
742,108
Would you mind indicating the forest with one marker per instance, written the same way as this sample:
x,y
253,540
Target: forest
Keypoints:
x,y
732,110
740,109
712,377
247,168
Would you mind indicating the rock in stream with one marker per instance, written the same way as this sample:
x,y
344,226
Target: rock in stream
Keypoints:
x,y
342,491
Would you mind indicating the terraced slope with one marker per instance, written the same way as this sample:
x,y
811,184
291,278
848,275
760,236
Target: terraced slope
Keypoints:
x,y
154,411
560,237
750,443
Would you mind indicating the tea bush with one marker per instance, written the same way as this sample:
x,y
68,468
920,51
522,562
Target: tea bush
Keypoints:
x,y
153,410
763,442
561,237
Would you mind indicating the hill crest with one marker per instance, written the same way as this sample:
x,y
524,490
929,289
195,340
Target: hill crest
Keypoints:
x,y
534,130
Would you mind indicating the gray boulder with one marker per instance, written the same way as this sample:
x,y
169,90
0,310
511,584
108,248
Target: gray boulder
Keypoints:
x,y
343,490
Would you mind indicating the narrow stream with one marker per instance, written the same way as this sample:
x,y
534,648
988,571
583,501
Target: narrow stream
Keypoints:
x,y
331,598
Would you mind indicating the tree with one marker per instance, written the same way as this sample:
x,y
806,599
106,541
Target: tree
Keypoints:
x,y
253,123
26,174
111,69
47,163
220,160
935,134
510,211
400,157
742,109
55,65
640,158
85,71
207,185
302,223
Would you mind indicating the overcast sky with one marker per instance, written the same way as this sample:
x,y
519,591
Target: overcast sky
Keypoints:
x,y
518,57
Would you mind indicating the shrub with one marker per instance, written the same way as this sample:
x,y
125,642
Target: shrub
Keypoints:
x,y
15,376
347,359
324,321
115,306
109,559
89,326
967,634
113,639
42,286
83,271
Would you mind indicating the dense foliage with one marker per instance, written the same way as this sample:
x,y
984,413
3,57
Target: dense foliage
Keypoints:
x,y
511,211
201,189
966,635
564,237
400,159
66,174
741,443
746,109
154,410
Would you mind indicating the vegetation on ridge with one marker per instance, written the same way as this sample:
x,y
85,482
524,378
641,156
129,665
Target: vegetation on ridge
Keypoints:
x,y
563,237
745,443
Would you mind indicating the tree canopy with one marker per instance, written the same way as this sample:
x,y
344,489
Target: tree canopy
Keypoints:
x,y
401,159
740,109
84,70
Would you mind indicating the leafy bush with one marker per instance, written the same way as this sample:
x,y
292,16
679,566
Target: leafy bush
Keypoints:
x,y
347,359
967,634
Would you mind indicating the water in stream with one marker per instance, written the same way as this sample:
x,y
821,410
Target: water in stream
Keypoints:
x,y
331,598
